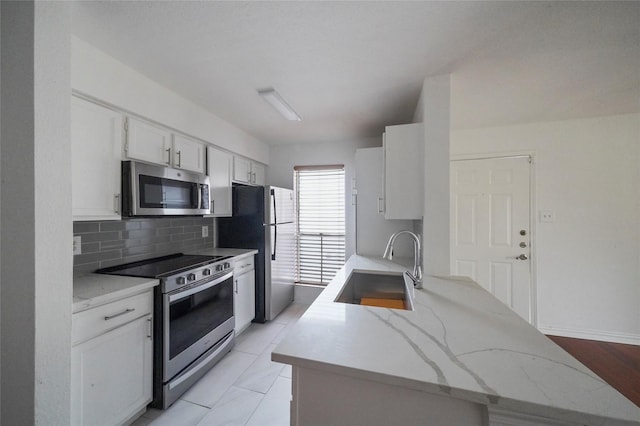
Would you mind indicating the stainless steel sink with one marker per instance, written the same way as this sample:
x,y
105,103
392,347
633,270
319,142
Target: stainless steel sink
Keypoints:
x,y
377,289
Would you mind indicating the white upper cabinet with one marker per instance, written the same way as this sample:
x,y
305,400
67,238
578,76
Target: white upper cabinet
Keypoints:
x,y
148,143
246,171
96,146
154,144
219,169
259,173
188,154
404,171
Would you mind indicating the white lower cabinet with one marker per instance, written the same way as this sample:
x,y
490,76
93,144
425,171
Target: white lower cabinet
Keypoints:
x,y
111,369
244,298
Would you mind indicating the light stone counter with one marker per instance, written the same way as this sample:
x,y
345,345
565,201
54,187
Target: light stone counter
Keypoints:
x,y
460,342
91,290
237,253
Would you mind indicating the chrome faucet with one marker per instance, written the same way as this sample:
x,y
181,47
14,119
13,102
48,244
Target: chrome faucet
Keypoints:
x,y
416,276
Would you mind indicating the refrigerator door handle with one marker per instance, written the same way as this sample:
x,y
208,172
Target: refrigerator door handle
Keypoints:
x,y
275,213
275,242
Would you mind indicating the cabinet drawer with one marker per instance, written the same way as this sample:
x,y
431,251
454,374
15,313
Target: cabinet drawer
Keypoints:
x,y
243,265
95,321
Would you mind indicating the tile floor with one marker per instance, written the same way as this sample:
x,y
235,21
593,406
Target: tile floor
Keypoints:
x,y
244,388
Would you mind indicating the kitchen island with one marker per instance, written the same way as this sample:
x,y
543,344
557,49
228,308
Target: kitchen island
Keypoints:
x,y
460,357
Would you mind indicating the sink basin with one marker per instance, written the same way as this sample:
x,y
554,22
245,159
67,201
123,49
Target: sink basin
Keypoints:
x,y
377,289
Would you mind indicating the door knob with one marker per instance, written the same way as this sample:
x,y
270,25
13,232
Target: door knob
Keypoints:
x,y
522,257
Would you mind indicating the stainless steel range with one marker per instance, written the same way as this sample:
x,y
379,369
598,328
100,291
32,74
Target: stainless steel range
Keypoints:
x,y
193,318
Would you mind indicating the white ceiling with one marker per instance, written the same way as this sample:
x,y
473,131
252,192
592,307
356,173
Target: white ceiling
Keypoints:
x,y
350,68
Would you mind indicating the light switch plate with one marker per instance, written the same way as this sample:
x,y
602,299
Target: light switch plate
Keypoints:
x,y
77,244
205,231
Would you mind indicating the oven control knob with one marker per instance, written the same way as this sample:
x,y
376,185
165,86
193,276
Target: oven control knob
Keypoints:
x,y
191,277
181,281
227,265
206,272
218,268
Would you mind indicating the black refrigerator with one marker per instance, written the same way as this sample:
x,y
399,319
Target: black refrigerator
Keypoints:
x,y
264,219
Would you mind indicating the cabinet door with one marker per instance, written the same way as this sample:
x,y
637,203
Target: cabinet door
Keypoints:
x,y
404,171
242,170
148,143
219,166
258,174
111,375
188,154
96,146
244,300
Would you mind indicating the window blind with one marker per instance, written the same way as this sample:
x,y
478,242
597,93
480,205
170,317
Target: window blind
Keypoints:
x,y
320,222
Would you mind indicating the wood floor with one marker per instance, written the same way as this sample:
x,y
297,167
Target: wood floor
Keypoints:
x,y
615,363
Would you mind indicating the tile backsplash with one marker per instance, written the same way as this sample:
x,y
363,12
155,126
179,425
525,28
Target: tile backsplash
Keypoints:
x,y
108,243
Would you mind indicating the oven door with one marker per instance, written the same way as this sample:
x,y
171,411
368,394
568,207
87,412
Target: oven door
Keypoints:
x,y
195,319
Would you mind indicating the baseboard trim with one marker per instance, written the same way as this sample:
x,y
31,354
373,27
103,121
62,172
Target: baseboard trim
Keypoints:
x,y
626,338
307,294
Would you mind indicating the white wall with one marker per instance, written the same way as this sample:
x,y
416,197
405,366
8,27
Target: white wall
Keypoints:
x,y
434,107
588,260
285,157
36,213
99,75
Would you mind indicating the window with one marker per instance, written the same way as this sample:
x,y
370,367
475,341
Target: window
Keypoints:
x,y
320,222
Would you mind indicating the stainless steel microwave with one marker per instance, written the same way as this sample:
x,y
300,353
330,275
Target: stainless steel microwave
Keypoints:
x,y
150,190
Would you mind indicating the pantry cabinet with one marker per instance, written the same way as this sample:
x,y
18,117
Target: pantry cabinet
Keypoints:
x,y
245,292
96,152
111,361
219,169
403,171
248,172
154,144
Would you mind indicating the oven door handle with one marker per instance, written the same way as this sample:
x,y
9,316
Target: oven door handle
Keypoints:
x,y
186,292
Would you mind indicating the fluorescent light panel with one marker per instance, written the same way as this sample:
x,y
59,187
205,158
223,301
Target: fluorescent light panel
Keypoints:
x,y
276,101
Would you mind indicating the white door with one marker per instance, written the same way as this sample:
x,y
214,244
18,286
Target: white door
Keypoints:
x,y
148,143
219,166
188,154
96,153
490,227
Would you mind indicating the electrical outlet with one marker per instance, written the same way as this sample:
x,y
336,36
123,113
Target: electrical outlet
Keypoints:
x,y
547,216
205,231
77,244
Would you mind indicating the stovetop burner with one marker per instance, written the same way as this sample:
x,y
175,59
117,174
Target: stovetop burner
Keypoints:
x,y
161,267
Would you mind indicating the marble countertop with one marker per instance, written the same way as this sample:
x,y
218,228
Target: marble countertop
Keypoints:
x,y
237,253
91,290
459,341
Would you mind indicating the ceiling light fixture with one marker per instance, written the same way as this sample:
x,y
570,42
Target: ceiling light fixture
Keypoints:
x,y
276,101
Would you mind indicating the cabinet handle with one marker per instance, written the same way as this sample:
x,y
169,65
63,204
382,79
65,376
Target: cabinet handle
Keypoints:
x,y
249,177
168,150
212,207
116,202
179,157
380,205
254,178
126,311
149,332
236,289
